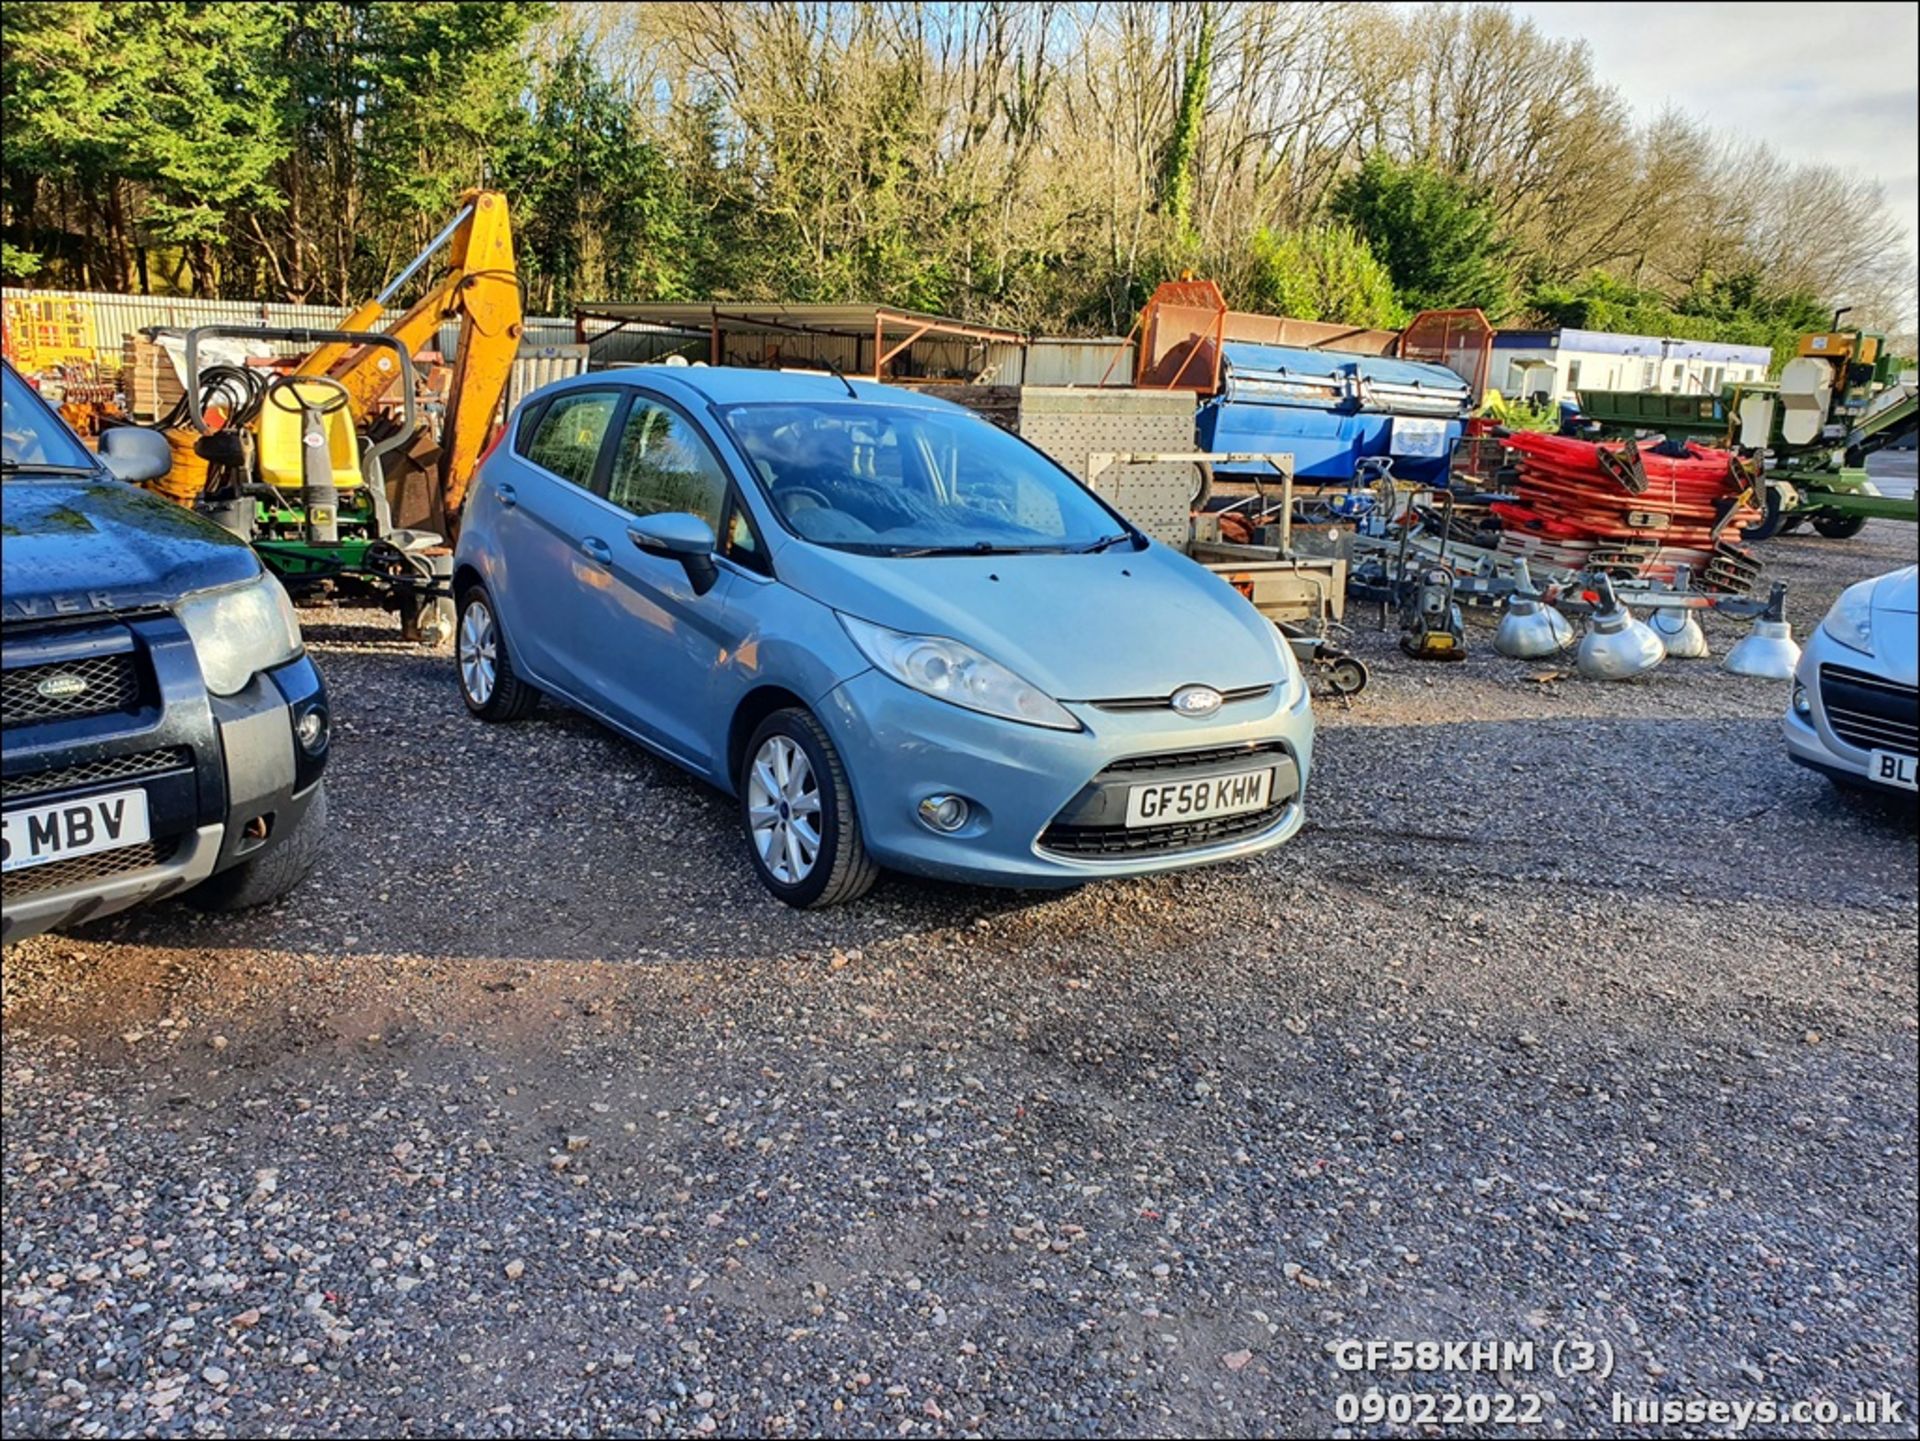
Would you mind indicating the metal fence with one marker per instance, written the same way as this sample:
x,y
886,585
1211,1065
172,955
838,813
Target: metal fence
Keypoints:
x,y
49,328
45,328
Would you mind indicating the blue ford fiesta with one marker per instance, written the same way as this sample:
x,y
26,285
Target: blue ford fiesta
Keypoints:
x,y
901,636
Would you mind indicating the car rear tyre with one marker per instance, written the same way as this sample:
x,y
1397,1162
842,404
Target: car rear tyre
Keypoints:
x,y
796,807
273,873
487,681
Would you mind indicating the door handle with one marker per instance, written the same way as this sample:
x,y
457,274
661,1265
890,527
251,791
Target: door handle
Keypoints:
x,y
506,495
597,550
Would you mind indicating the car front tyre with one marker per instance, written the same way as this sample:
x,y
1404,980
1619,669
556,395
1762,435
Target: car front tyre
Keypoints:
x,y
488,683
796,807
273,873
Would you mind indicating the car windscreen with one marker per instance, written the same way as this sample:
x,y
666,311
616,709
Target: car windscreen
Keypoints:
x,y
32,437
898,480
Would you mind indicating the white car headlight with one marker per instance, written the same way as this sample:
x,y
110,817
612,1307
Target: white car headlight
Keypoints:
x,y
1851,620
950,671
240,630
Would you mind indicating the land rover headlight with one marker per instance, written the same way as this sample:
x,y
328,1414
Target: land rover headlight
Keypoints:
x,y
949,671
1851,620
240,630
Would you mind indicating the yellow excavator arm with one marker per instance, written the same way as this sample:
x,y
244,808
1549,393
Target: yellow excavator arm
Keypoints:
x,y
482,290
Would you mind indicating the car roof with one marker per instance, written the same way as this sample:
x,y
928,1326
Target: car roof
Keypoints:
x,y
740,385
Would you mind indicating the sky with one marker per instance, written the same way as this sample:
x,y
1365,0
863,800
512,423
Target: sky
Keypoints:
x,y
1837,83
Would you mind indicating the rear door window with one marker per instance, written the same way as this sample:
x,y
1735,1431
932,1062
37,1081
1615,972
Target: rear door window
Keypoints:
x,y
567,438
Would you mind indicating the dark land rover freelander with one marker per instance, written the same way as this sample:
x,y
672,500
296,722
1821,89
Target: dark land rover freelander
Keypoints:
x,y
164,730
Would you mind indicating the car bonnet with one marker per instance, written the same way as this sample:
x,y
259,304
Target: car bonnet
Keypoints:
x,y
1118,625
1895,593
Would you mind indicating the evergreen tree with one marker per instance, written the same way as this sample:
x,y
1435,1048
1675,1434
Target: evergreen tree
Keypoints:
x,y
1438,239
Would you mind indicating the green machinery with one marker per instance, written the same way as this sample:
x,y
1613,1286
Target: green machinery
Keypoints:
x,y
299,465
1837,401
293,476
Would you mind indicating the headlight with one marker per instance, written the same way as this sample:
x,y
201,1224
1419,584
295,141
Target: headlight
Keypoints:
x,y
240,630
947,670
1293,681
1851,620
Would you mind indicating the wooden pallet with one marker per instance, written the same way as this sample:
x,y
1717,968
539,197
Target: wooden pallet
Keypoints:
x,y
147,379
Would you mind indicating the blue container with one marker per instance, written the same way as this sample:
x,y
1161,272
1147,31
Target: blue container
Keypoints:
x,y
1331,410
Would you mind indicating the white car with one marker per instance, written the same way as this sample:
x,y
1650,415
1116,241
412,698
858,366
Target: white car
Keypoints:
x,y
1855,710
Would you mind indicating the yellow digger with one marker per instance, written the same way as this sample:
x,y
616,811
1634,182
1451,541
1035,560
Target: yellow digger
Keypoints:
x,y
299,463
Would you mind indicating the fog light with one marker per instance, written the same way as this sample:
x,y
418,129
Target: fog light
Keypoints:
x,y
944,813
311,730
1802,702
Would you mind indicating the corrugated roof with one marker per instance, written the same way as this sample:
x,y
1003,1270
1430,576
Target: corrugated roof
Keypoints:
x,y
776,318
749,385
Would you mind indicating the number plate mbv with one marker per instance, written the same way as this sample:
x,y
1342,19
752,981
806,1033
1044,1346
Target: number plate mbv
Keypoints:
x,y
35,835
1166,803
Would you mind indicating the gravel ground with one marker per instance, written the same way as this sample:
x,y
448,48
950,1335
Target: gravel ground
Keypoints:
x,y
1576,1014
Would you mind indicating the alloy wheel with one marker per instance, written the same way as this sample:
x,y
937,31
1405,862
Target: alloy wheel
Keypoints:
x,y
783,809
478,649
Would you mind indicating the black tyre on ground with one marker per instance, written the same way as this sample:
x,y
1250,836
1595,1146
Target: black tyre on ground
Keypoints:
x,y
1838,525
487,681
273,873
796,807
1773,515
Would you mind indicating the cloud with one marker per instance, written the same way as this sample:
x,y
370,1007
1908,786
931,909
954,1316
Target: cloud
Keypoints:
x,y
1827,85
1833,84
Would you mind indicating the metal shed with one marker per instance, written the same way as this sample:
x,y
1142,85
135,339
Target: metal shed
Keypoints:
x,y
876,341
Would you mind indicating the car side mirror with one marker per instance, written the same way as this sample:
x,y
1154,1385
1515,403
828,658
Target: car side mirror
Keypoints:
x,y
678,535
134,453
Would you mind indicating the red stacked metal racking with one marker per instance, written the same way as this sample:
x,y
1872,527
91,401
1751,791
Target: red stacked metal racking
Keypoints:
x,y
1612,506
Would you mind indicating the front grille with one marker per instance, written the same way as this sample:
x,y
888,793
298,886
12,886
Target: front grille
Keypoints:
x,y
91,686
1165,702
90,773
1183,760
1870,711
1158,840
58,874
1064,839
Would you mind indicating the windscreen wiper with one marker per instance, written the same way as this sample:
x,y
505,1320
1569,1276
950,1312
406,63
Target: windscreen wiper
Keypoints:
x,y
1106,542
979,547
35,467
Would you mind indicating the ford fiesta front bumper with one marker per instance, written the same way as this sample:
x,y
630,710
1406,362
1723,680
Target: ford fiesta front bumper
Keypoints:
x,y
1047,807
